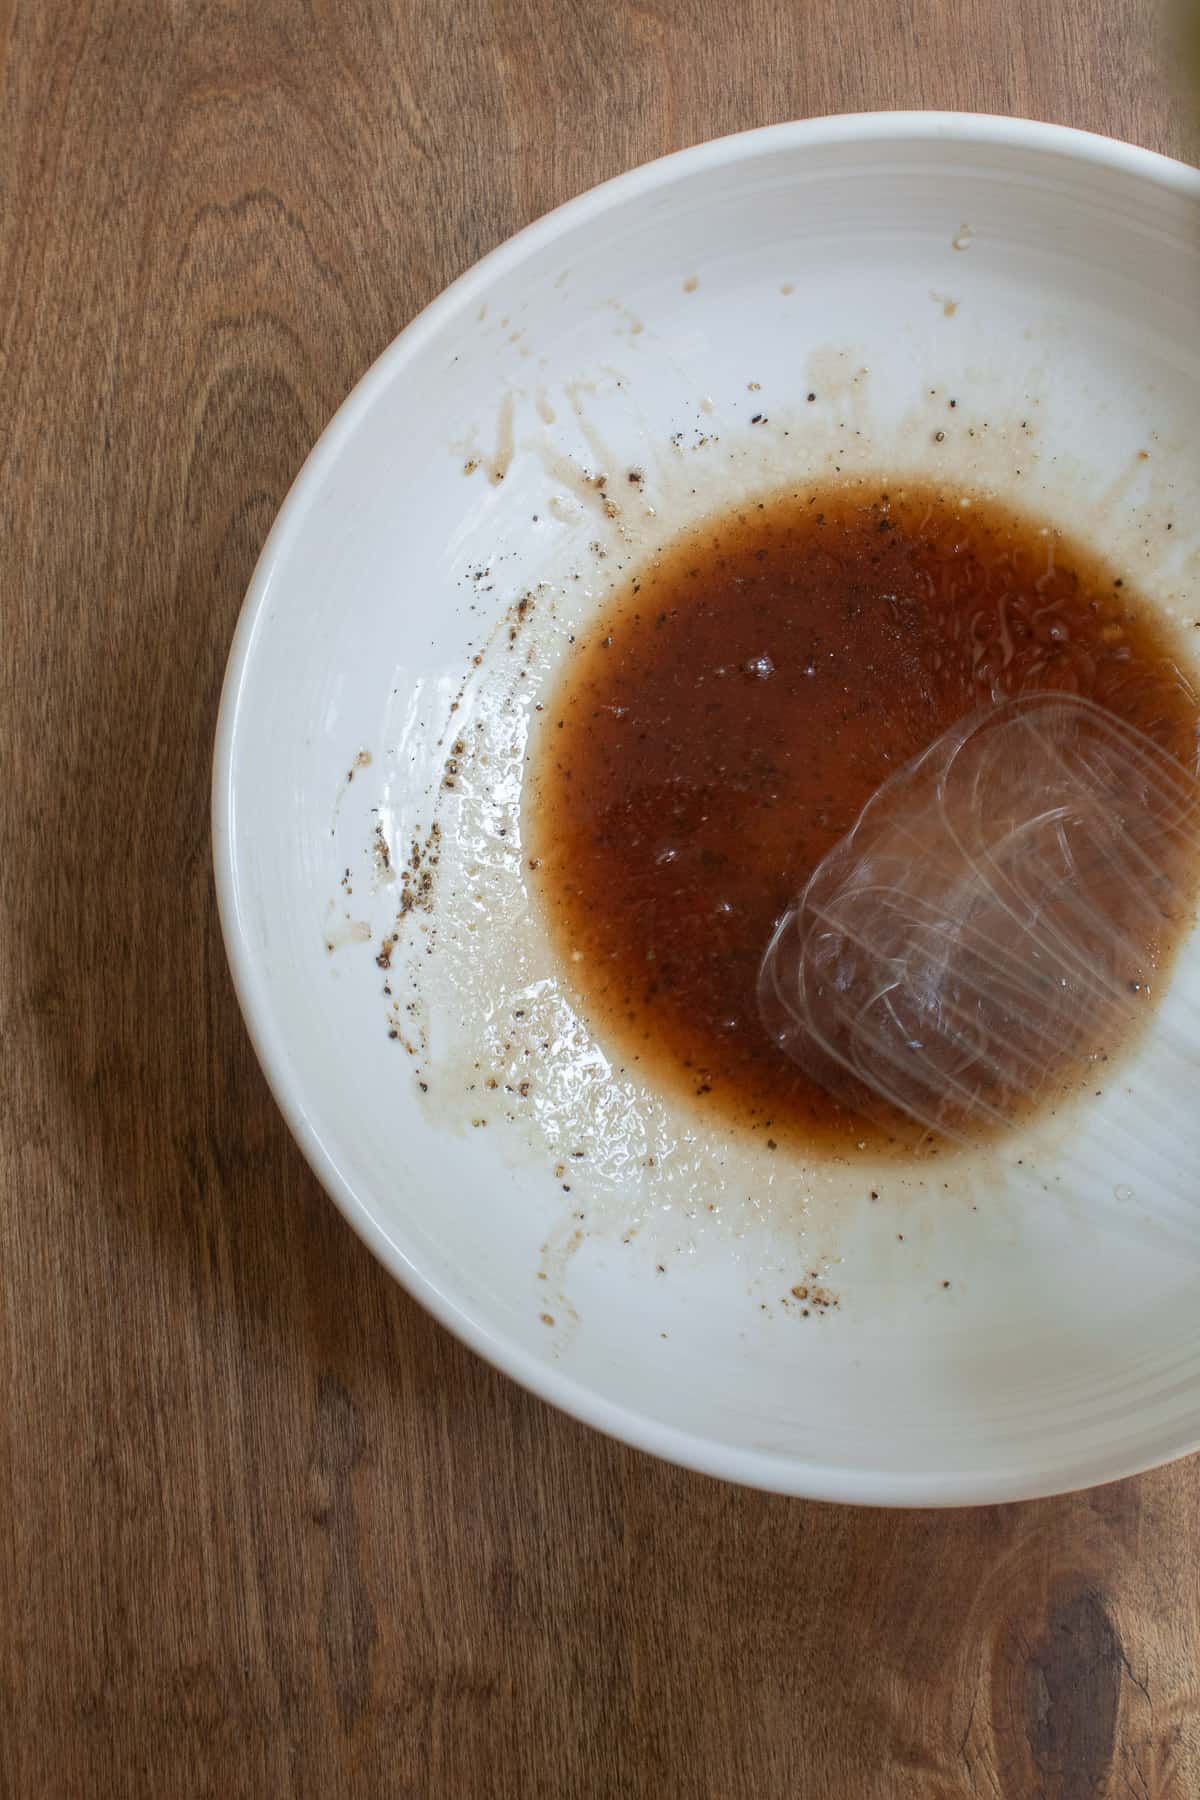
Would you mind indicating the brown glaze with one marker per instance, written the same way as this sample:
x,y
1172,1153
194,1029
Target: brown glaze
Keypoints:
x,y
734,709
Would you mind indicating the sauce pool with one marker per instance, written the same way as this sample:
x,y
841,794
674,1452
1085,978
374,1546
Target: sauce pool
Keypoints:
x,y
735,707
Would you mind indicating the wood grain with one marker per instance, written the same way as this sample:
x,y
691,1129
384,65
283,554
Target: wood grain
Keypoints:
x,y
264,1528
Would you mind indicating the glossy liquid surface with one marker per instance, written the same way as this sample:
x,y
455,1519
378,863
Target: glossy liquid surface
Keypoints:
x,y
736,706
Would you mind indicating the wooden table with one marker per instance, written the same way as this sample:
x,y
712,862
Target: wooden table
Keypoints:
x,y
264,1528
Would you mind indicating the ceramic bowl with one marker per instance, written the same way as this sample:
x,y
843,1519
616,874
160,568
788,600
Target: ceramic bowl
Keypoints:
x,y
1019,1321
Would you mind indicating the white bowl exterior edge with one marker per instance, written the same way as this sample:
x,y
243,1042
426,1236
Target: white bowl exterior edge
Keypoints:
x,y
1162,1421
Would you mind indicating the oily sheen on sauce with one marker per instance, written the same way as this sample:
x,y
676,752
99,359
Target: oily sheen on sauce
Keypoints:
x,y
736,705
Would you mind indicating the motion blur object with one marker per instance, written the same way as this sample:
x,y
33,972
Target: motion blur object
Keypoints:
x,y
994,921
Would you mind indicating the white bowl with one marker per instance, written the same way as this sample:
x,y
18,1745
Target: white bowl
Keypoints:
x,y
1047,282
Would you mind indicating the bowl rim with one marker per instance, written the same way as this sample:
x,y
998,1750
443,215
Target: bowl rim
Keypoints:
x,y
772,1471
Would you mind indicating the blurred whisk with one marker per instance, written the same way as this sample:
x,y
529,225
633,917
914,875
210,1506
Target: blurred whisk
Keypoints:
x,y
993,923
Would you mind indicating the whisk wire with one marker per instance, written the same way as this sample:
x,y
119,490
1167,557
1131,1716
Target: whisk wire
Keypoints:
x,y
992,922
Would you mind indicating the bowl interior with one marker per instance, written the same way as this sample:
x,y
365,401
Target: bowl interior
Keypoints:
x,y
444,543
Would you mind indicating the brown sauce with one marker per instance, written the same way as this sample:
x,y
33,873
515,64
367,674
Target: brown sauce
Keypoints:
x,y
735,707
